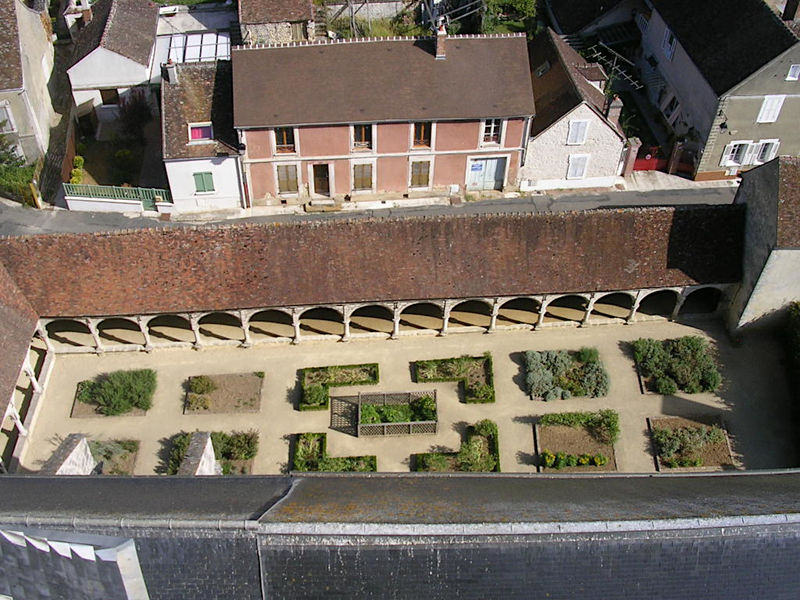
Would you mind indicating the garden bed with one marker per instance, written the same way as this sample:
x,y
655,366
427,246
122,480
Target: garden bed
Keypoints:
x,y
479,453
396,414
473,373
128,393
310,455
561,374
234,393
234,451
118,456
699,443
577,442
317,381
666,366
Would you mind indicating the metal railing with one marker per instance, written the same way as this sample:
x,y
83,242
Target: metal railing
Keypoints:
x,y
147,196
410,427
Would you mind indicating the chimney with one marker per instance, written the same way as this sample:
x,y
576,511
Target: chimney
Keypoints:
x,y
614,110
441,36
790,11
170,72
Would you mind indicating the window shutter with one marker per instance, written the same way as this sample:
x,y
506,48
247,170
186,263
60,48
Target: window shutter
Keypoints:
x,y
198,182
751,154
577,132
726,155
794,73
770,109
577,166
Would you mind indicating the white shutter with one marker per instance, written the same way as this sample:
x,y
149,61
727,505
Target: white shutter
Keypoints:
x,y
750,154
577,132
727,154
770,109
794,73
577,166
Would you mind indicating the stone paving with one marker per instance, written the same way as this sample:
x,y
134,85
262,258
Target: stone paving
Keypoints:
x,y
754,400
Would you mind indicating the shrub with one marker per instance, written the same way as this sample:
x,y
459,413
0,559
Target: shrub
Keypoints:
x,y
85,391
316,396
588,355
197,402
603,425
15,182
178,447
665,385
572,460
474,456
600,460
595,379
553,394
561,460
201,384
557,361
539,380
548,459
584,459
369,414
242,445
118,392
78,161
479,394
554,374
76,176
679,447
651,356
433,461
423,408
686,361
259,374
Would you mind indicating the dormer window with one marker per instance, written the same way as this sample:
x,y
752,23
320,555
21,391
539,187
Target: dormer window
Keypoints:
x,y
201,132
284,140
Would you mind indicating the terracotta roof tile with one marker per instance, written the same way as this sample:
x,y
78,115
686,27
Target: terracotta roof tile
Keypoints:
x,y
788,202
254,12
11,67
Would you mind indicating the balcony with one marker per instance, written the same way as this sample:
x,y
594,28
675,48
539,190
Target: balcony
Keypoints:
x,y
111,198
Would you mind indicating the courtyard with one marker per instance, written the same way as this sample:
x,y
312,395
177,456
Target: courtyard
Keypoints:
x,y
752,403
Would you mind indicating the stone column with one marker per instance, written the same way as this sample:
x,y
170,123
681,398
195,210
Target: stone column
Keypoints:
x,y
396,315
636,302
347,312
589,307
194,322
448,306
542,311
95,335
32,376
148,345
42,332
678,305
495,312
14,414
246,329
296,325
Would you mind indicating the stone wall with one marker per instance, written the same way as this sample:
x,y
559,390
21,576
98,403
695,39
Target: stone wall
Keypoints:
x,y
270,33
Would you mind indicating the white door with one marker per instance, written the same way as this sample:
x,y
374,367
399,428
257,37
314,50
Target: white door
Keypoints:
x,y
486,173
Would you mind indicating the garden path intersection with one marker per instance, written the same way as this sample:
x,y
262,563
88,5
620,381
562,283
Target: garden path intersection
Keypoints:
x,y
753,400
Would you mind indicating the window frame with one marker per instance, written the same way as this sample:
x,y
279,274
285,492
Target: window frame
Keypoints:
x,y
204,182
12,126
429,177
500,134
278,147
573,125
298,181
570,159
416,146
103,100
201,125
794,73
373,176
727,152
761,145
370,145
669,43
765,112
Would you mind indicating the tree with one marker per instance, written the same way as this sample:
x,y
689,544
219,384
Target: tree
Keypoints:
x,y
8,151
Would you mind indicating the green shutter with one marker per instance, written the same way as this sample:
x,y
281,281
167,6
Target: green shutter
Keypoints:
x,y
203,182
198,182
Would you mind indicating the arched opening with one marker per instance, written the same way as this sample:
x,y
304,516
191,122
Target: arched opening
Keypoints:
x,y
322,321
371,319
424,315
519,311
566,309
67,333
658,304
117,332
612,306
271,324
703,301
221,326
170,328
470,313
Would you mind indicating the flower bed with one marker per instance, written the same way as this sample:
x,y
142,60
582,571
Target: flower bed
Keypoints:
x,y
479,452
698,442
118,456
578,441
317,381
685,364
115,393
310,454
234,451
417,409
474,374
240,392
561,374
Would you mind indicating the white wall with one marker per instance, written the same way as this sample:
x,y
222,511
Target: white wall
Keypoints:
x,y
224,170
103,205
777,286
547,156
102,69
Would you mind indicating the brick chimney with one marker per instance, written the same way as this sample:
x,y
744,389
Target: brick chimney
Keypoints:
x,y
790,10
170,71
441,36
614,110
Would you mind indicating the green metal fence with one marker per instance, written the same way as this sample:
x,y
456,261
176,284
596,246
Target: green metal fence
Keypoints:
x,y
147,196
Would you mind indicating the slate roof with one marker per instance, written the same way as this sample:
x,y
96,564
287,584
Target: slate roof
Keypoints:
x,y
126,27
10,57
574,15
203,94
788,202
381,80
254,12
310,263
727,40
564,86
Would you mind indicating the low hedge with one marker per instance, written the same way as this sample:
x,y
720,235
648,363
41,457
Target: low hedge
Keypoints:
x,y
561,374
15,183
317,381
559,460
602,425
310,455
476,390
418,409
685,363
119,392
479,452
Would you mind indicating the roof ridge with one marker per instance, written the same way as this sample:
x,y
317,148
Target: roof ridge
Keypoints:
x,y
362,40
111,13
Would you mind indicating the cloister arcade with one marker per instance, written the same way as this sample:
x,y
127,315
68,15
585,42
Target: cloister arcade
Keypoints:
x,y
377,319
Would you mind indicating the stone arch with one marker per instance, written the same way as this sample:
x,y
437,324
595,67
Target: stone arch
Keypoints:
x,y
120,331
519,311
613,305
371,318
220,326
658,303
421,316
471,313
701,301
69,333
569,308
170,328
271,324
322,320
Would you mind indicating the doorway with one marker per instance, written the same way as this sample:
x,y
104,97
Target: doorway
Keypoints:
x,y
486,173
322,184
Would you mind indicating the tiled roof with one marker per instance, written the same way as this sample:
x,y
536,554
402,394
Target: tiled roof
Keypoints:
x,y
11,67
203,94
788,202
310,263
126,27
254,12
381,80
574,15
727,40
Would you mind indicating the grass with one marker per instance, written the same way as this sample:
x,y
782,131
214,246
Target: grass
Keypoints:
x,y
685,363
317,381
479,452
602,425
310,454
474,374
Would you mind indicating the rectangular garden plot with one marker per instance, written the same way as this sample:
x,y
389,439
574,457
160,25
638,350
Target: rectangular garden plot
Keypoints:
x,y
117,456
577,442
561,374
234,451
401,413
479,452
128,393
310,454
317,381
474,374
666,366
234,393
699,443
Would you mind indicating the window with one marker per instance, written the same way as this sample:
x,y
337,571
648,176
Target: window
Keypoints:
x,y
492,130
420,173
6,123
362,136
641,22
668,45
577,166
201,132
766,151
284,139
362,177
543,68
794,73
770,109
422,135
298,32
736,154
669,109
577,132
287,179
109,97
203,183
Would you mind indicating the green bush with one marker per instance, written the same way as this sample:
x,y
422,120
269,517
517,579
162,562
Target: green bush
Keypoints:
x,y
679,446
310,455
559,374
665,385
259,374
369,414
15,182
201,384
585,459
78,161
548,459
600,459
476,382
316,381
595,379
588,355
85,391
423,409
239,445
120,391
76,176
687,362
178,447
433,461
539,380
315,396
197,402
603,425
474,456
